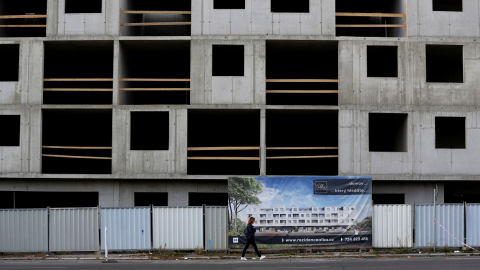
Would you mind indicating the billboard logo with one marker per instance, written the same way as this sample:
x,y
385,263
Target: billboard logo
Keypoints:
x,y
320,187
235,240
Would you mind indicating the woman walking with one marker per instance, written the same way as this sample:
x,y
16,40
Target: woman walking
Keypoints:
x,y
250,234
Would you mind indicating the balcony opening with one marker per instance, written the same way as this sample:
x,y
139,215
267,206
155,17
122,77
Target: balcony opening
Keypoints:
x,y
388,132
444,63
10,57
78,72
209,199
302,142
10,135
223,142
156,18
376,18
153,72
77,141
228,4
302,73
149,131
380,198
82,6
382,61
23,18
148,198
288,6
228,60
450,133
447,5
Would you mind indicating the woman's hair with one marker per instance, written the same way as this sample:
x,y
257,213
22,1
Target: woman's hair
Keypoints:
x,y
251,220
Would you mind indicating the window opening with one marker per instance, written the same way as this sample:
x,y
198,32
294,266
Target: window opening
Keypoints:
x,y
29,199
388,132
83,6
10,135
148,198
228,4
382,61
447,5
10,55
228,60
288,6
380,198
450,133
212,199
444,63
149,131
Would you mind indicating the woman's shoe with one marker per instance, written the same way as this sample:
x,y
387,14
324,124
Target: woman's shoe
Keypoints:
x,y
262,257
243,258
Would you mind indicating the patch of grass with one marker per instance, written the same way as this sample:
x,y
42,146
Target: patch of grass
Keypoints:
x,y
198,250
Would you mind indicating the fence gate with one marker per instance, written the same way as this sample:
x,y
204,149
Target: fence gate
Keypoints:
x,y
216,230
392,226
473,221
24,230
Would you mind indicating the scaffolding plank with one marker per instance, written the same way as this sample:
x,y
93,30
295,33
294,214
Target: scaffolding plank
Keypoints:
x,y
83,157
303,80
153,80
78,89
370,25
78,80
355,14
156,24
223,148
75,147
154,89
223,158
292,157
24,25
153,12
302,148
302,91
22,16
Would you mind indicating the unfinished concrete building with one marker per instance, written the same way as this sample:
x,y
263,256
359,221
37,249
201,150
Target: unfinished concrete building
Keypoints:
x,y
136,102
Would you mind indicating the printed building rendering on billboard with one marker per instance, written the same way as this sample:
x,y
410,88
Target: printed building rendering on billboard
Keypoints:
x,y
302,210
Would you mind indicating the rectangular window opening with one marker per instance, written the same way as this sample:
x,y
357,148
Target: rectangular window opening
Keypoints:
x,y
228,60
167,83
380,198
302,73
447,5
288,6
228,4
77,141
10,57
209,199
78,72
360,18
444,63
29,18
83,6
149,130
148,198
34,199
388,132
462,191
295,146
223,142
10,135
450,133
382,61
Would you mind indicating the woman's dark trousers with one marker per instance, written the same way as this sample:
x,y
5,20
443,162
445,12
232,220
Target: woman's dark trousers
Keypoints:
x,y
250,241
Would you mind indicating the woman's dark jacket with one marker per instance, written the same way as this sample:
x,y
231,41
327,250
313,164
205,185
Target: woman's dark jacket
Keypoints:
x,y
251,231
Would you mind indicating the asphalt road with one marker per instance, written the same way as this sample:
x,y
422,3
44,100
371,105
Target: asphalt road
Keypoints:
x,y
327,264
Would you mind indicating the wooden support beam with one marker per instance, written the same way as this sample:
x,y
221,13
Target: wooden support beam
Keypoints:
x,y
83,157
22,16
301,91
302,148
293,157
303,80
355,14
223,158
154,89
156,24
24,25
76,147
153,80
77,80
77,89
154,12
370,25
222,148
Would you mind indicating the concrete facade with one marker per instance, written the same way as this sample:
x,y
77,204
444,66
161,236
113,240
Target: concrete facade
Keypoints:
x,y
359,95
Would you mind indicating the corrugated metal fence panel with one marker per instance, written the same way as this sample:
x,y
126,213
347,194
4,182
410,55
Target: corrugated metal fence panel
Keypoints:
x,y
24,230
449,215
473,221
392,226
216,228
177,228
74,229
128,228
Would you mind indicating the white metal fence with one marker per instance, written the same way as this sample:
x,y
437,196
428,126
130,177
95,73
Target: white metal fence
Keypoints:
x,y
24,230
473,224
392,226
129,228
216,231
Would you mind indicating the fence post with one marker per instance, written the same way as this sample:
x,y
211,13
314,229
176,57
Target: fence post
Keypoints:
x,y
106,244
204,228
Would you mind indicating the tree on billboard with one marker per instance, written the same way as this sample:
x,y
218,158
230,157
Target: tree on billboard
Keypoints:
x,y
242,192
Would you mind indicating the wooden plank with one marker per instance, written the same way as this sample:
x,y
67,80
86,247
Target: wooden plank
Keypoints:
x,y
154,89
154,12
223,158
75,147
292,157
153,80
301,91
78,89
303,80
77,80
84,157
24,25
302,148
355,14
222,148
22,16
156,24
370,25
